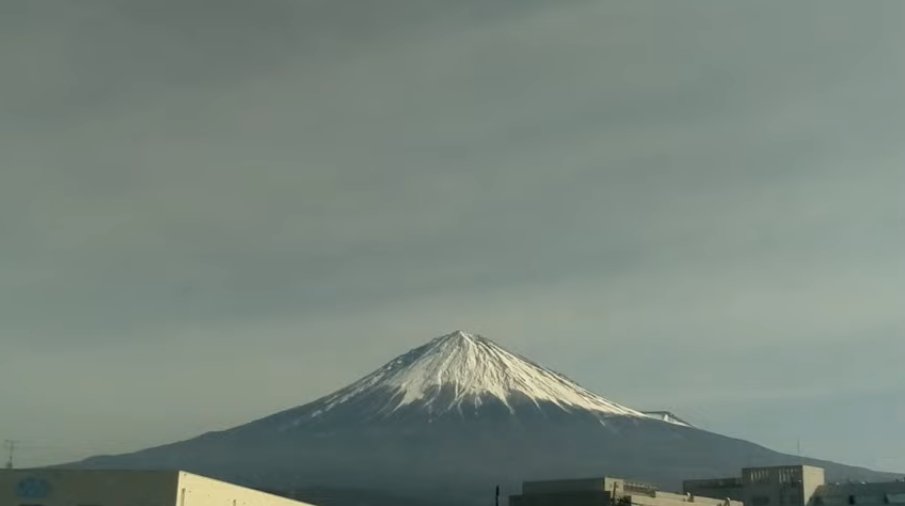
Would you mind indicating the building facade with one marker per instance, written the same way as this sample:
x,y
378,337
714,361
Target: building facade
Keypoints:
x,y
764,486
73,487
859,493
757,486
604,492
797,486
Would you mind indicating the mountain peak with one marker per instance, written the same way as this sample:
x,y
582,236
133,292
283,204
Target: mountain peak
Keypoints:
x,y
458,337
465,371
459,334
456,342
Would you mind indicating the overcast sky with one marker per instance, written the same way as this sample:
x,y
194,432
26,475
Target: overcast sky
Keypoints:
x,y
212,210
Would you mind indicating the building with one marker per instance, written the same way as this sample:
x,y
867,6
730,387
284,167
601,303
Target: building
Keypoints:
x,y
73,487
604,492
796,486
764,486
844,494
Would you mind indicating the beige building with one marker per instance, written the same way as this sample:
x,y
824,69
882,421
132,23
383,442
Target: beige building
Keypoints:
x,y
764,486
859,493
798,486
604,492
72,487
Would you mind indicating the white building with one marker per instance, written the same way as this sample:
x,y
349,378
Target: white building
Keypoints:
x,y
74,487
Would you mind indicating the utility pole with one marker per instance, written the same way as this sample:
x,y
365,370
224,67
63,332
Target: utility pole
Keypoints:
x,y
10,446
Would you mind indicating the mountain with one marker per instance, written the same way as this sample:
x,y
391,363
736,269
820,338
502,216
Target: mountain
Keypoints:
x,y
448,421
458,375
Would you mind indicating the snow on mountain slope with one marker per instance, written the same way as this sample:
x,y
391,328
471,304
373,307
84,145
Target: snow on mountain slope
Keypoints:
x,y
667,416
461,370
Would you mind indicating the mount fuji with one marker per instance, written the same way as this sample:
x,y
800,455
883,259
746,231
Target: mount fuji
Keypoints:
x,y
447,422
458,375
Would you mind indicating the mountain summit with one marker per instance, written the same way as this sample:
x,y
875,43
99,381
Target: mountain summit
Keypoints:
x,y
461,372
456,417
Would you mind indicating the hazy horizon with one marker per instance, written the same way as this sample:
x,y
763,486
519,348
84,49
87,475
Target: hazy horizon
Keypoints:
x,y
215,210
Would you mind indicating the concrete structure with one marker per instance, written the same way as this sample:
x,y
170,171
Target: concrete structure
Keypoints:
x,y
757,486
604,492
796,486
764,486
72,487
845,494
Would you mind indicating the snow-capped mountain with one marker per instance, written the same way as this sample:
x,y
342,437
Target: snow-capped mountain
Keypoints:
x,y
461,372
448,421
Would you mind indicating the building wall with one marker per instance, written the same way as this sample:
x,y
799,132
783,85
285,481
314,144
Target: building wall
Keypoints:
x,y
846,494
667,499
764,486
722,488
599,492
771,487
591,498
194,490
781,485
67,487
757,486
813,478
70,487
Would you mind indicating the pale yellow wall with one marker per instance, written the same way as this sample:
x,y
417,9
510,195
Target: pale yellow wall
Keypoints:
x,y
812,479
93,488
132,488
194,490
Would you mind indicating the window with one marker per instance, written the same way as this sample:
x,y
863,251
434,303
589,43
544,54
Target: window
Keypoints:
x,y
760,500
895,498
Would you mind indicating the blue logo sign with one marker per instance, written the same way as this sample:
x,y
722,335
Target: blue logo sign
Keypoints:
x,y
33,488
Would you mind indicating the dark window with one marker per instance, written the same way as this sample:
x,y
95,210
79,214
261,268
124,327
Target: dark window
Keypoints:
x,y
760,500
851,499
